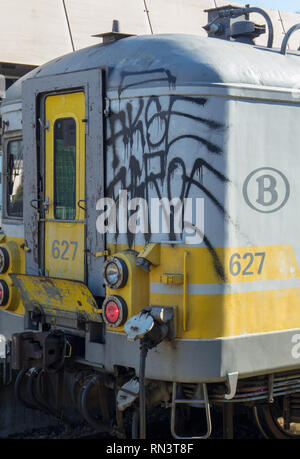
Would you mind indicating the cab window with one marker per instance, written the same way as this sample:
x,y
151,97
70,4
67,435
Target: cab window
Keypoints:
x,y
65,169
15,178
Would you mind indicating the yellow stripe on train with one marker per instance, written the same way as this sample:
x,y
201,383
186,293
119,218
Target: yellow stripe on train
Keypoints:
x,y
232,291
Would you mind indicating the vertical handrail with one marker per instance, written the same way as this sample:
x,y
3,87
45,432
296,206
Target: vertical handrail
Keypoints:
x,y
198,402
184,312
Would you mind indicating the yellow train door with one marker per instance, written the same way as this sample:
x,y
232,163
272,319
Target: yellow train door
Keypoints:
x,y
64,230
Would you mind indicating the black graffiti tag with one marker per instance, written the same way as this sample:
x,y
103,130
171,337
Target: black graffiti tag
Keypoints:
x,y
137,175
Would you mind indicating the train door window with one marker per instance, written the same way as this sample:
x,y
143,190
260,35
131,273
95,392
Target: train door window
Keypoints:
x,y
65,169
15,178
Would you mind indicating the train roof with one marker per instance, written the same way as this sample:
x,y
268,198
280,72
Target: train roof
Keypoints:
x,y
178,60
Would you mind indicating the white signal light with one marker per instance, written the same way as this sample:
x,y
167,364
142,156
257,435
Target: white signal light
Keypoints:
x,y
115,272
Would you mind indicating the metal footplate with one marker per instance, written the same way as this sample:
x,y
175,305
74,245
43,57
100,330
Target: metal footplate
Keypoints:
x,y
193,402
62,301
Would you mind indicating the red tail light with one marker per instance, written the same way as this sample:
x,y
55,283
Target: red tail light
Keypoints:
x,y
114,311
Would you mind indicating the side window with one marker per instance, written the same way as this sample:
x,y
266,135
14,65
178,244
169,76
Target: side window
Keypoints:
x,y
15,178
65,169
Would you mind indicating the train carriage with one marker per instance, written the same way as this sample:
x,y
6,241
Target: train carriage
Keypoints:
x,y
150,235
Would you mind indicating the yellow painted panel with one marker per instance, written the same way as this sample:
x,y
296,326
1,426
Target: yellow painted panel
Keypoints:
x,y
136,290
239,264
223,315
64,250
261,312
216,316
57,296
64,241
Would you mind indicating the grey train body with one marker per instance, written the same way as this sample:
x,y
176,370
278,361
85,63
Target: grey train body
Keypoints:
x,y
176,116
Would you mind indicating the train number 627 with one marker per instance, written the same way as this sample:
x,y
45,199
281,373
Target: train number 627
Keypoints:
x,y
64,249
237,266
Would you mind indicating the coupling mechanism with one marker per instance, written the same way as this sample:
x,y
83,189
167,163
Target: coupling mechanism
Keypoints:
x,y
152,325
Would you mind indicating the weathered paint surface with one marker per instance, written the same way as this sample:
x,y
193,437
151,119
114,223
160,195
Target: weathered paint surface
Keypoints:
x,y
64,248
57,296
166,147
184,141
247,269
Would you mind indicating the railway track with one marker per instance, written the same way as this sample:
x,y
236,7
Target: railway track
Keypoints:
x,y
156,430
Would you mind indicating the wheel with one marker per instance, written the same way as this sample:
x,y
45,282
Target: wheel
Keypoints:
x,y
280,419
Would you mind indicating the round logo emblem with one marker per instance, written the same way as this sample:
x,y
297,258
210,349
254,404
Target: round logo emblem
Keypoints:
x,y
266,190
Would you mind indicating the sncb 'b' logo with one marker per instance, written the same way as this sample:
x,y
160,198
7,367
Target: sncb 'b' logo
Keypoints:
x,y
266,190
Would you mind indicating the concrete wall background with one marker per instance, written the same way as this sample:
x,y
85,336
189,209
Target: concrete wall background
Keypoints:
x,y
35,31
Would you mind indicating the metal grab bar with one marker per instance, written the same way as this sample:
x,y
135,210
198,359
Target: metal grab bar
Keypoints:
x,y
185,281
287,37
204,402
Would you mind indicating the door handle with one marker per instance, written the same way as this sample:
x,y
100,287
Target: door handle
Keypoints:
x,y
46,204
35,200
78,203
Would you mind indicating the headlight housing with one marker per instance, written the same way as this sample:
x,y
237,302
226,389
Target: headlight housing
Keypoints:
x,y
115,272
4,260
4,293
